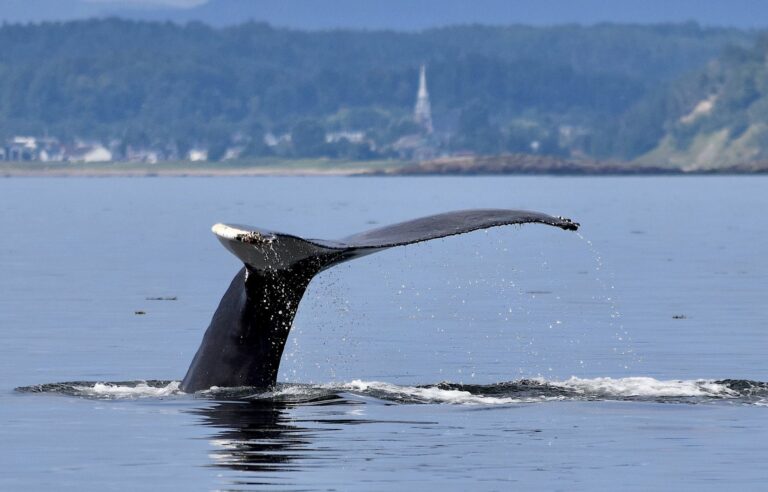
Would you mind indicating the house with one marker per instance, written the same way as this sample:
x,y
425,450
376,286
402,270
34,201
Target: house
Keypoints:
x,y
233,153
51,150
351,137
89,152
147,156
416,146
272,140
198,155
22,149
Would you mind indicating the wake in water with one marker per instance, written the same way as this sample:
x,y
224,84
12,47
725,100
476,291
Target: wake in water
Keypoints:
x,y
508,393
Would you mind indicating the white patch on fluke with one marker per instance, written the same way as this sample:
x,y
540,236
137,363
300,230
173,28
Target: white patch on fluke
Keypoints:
x,y
228,232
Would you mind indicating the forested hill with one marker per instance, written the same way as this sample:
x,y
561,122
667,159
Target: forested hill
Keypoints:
x,y
716,117
491,87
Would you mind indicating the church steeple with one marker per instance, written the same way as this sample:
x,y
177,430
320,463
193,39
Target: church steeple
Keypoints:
x,y
422,113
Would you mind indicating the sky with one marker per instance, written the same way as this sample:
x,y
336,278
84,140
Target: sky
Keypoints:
x,y
159,3
398,14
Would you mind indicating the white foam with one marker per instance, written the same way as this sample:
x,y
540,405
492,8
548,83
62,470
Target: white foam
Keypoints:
x,y
574,388
297,390
645,387
428,395
141,390
608,388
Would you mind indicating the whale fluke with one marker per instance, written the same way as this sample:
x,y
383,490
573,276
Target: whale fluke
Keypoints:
x,y
245,340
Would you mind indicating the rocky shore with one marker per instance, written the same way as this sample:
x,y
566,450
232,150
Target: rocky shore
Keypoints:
x,y
537,164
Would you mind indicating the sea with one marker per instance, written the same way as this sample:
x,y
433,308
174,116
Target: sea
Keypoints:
x,y
630,355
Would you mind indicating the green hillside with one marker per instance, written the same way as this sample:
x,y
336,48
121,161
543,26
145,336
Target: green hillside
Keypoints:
x,y
717,117
493,89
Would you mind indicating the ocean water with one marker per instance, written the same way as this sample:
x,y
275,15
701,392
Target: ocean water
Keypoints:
x,y
629,356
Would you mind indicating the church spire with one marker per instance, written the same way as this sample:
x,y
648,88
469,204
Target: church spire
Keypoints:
x,y
422,113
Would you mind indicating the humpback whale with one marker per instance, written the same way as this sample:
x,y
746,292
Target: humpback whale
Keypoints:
x,y
245,340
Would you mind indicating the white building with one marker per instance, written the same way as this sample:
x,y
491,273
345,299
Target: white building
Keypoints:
x,y
198,155
90,152
351,137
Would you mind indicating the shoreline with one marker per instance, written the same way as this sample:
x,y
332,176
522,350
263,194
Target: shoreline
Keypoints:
x,y
526,164
506,165
216,173
276,167
180,173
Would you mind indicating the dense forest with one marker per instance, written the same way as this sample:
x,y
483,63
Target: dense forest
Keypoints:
x,y
600,90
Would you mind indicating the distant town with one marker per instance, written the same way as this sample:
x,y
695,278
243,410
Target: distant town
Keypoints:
x,y
420,145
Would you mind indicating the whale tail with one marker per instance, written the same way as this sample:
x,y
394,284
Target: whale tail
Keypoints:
x,y
264,250
245,340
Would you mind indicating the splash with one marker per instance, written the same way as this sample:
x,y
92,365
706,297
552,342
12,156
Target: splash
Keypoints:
x,y
109,390
141,390
644,387
424,394
573,389
622,337
522,391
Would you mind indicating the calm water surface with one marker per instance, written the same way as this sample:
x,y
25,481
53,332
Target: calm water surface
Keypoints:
x,y
628,357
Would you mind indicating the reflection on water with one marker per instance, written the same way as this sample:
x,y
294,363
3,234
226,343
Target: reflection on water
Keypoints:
x,y
254,436
259,436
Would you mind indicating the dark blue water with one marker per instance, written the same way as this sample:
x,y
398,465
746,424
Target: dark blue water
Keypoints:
x,y
629,358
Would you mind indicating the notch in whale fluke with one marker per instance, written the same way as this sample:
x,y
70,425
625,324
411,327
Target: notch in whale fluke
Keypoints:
x,y
245,340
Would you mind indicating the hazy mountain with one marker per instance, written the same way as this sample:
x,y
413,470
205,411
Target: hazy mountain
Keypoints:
x,y
400,14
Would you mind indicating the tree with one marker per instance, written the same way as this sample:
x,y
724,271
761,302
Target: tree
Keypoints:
x,y
476,131
308,138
